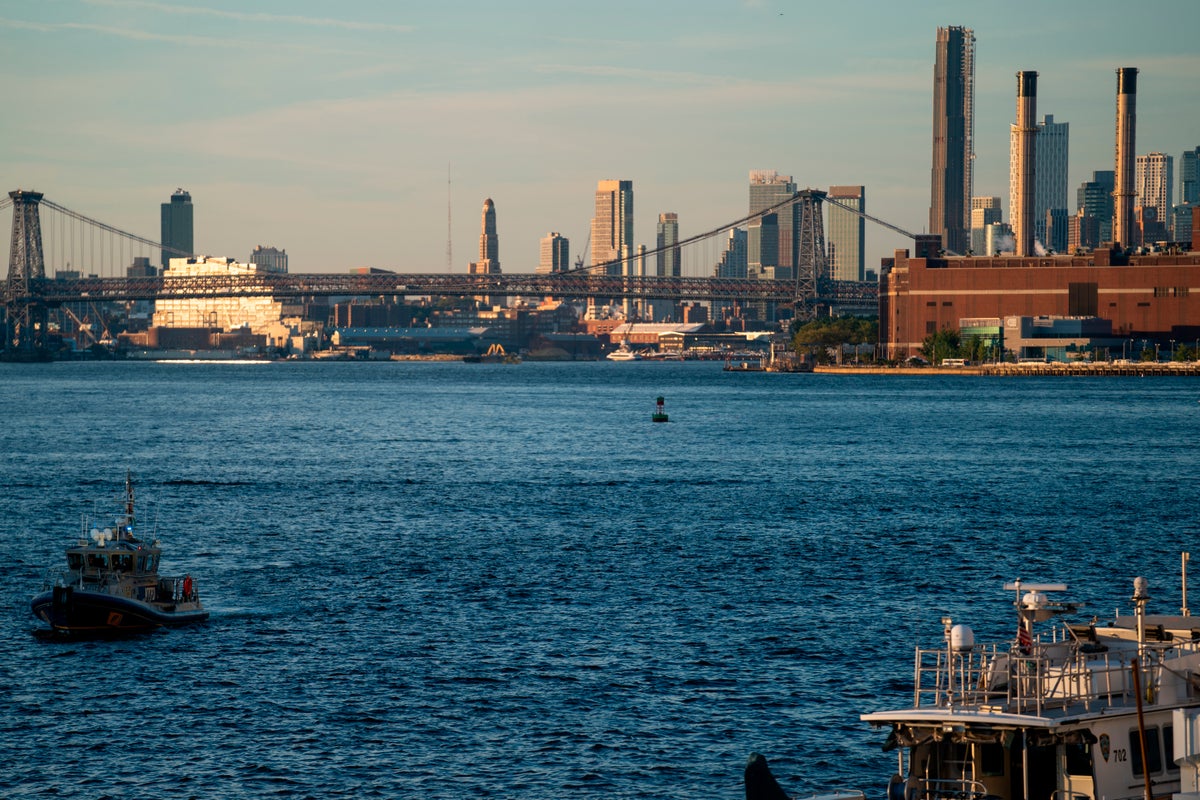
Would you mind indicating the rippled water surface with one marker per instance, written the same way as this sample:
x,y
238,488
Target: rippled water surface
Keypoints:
x,y
454,580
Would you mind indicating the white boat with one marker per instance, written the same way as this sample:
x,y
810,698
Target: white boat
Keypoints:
x,y
1085,711
623,353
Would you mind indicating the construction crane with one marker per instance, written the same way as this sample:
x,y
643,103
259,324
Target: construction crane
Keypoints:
x,y
580,258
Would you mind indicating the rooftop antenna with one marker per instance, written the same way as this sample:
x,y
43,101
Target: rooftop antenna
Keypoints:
x,y
449,238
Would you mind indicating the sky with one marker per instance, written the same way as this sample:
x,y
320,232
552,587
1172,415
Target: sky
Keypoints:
x,y
369,133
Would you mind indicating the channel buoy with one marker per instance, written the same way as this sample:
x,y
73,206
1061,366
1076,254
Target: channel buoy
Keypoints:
x,y
659,414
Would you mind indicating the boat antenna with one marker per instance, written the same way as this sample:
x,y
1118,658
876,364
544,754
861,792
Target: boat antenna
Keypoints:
x,y
128,503
1184,609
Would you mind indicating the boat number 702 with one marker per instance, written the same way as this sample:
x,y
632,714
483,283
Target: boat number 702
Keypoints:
x,y
1120,754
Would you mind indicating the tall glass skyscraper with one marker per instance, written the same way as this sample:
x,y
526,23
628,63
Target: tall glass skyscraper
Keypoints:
x,y
612,227
667,259
1095,199
847,233
1189,176
176,231
779,250
953,137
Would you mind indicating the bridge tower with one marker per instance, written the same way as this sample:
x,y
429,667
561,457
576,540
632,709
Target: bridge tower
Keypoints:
x,y
26,318
812,267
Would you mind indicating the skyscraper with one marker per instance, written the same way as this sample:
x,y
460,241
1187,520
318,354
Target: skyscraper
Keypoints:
x,y
489,249
612,227
489,242
1094,198
953,136
555,254
269,258
176,231
667,259
769,188
847,233
1051,149
984,212
1153,183
1189,176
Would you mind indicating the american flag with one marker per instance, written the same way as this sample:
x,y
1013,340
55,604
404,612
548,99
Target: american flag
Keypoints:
x,y
1024,639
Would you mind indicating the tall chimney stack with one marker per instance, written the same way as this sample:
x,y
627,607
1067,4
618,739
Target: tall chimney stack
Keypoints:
x,y
1022,215
1123,191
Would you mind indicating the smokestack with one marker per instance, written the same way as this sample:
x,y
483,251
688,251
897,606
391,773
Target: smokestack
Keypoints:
x,y
1022,215
1123,191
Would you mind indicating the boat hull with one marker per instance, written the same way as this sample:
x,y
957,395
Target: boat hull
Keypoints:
x,y
71,610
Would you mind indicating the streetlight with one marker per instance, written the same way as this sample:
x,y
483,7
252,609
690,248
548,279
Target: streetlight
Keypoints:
x,y
1172,349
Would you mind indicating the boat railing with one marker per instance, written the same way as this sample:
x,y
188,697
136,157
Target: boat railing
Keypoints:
x,y
1048,676
948,789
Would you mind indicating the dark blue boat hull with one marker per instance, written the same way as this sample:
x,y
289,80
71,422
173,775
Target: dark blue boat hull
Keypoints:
x,y
72,610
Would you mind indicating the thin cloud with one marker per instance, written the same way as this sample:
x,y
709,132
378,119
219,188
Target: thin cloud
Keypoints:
x,y
241,16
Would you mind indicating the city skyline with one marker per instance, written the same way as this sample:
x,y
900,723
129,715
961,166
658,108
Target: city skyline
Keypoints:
x,y
334,141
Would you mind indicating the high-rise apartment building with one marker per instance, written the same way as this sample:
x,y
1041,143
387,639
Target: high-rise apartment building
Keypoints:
x,y
1189,176
667,259
984,212
1051,148
953,136
612,227
554,254
1153,183
270,259
1094,198
847,242
768,188
176,231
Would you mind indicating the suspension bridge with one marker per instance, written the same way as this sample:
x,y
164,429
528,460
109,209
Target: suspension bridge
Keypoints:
x,y
83,263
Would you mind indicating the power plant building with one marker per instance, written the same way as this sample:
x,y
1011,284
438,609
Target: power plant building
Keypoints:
x,y
953,137
1142,296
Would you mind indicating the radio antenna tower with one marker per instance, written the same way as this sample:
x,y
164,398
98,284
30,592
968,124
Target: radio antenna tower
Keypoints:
x,y
449,238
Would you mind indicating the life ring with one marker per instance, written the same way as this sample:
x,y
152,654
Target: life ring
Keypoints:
x,y
187,587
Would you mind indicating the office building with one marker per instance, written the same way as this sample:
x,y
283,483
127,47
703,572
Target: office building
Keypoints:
x,y
176,230
847,233
667,244
270,259
1051,149
984,212
1094,198
767,189
612,227
1189,176
554,255
489,251
1153,183
953,135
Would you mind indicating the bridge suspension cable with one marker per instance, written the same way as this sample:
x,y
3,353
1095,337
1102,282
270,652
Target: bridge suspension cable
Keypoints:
x,y
75,215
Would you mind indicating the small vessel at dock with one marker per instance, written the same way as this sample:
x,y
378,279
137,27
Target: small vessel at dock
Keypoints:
x,y
111,583
1085,711
623,353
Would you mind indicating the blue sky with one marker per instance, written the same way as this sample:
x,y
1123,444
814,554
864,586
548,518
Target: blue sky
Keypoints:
x,y
329,128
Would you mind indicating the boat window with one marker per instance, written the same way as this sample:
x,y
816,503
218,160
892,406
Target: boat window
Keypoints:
x,y
74,560
122,562
141,563
1153,755
97,561
1169,748
1079,759
991,760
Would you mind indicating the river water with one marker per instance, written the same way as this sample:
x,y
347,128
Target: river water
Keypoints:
x,y
446,580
